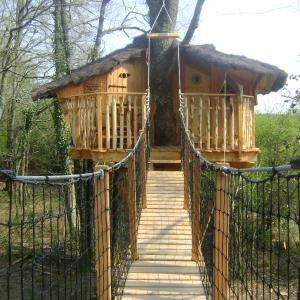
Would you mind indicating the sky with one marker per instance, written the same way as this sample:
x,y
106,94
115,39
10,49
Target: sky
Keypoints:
x,y
265,30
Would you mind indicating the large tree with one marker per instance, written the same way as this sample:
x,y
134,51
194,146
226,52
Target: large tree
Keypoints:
x,y
162,53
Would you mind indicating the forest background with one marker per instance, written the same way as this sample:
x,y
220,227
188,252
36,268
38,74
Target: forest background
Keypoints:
x,y
32,32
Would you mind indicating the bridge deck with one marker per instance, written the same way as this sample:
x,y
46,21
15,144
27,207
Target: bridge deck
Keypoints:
x,y
164,269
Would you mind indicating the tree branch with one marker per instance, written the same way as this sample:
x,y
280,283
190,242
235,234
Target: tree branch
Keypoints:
x,y
96,47
194,23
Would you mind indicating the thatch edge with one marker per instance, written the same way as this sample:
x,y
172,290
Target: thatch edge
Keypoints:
x,y
99,67
194,53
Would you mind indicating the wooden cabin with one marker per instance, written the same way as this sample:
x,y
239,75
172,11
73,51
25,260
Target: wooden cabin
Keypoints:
x,y
104,104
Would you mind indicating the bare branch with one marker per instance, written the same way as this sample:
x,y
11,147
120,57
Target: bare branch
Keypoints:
x,y
96,47
194,22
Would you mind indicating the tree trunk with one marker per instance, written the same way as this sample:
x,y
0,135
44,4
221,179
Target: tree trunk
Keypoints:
x,y
61,60
160,83
11,116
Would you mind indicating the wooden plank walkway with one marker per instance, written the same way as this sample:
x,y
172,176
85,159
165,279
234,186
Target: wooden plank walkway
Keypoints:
x,y
164,269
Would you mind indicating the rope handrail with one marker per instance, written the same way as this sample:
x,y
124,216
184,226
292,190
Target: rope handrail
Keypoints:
x,y
225,169
73,235
244,228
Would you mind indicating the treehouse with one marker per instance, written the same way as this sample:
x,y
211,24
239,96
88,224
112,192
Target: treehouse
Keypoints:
x,y
104,104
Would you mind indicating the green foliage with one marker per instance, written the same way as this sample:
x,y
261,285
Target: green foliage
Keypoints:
x,y
278,137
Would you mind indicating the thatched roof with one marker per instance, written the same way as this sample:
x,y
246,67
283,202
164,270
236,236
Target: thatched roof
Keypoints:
x,y
99,67
193,53
208,53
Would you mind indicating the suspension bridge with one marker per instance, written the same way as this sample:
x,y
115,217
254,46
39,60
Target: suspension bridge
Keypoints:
x,y
204,231
125,232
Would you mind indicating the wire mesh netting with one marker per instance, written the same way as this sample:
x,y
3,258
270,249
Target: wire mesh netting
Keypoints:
x,y
245,226
47,245
61,237
264,249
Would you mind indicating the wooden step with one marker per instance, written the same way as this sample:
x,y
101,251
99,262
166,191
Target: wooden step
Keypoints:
x,y
163,297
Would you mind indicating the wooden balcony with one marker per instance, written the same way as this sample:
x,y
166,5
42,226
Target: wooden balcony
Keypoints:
x,y
221,124
104,125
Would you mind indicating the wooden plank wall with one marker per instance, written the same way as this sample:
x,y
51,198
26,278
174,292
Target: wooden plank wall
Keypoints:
x,y
117,82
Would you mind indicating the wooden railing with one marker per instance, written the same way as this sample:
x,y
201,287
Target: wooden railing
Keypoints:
x,y
216,121
104,121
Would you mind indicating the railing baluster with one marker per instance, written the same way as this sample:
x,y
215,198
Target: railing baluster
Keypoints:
x,y
77,123
99,122
135,118
208,124
232,129
128,122
224,108
122,122
192,124
186,100
114,122
200,122
107,130
240,122
252,124
216,122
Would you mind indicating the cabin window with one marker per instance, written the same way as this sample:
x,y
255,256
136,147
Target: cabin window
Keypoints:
x,y
196,79
124,75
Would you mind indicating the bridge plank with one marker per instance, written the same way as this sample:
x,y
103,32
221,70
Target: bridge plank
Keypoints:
x,y
164,269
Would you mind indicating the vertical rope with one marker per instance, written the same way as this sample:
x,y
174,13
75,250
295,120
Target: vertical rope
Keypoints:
x,y
148,64
179,68
163,6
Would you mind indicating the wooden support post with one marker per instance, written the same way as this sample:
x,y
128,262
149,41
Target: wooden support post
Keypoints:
x,y
196,208
186,105
99,122
102,239
132,208
240,122
186,169
144,111
114,122
144,169
221,231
